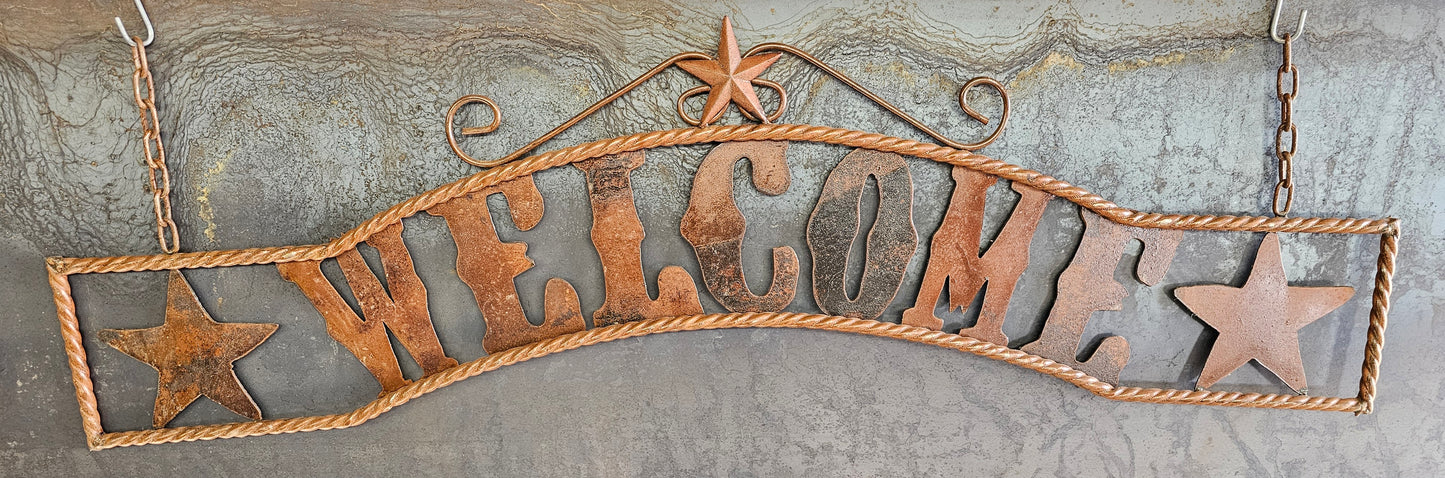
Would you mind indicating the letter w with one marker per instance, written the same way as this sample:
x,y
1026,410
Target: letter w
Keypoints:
x,y
404,311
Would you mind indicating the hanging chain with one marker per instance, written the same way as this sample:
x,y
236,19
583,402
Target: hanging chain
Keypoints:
x,y
1286,127
155,151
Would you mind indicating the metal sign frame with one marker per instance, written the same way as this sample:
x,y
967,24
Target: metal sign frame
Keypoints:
x,y
1105,221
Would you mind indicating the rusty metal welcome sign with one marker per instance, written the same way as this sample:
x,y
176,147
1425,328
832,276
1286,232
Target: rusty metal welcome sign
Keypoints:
x,y
193,352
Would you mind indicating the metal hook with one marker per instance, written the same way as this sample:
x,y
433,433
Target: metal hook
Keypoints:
x,y
1273,24
150,29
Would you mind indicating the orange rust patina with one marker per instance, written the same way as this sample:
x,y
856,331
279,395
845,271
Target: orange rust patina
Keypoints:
x,y
489,267
714,226
193,354
617,234
953,257
628,311
403,310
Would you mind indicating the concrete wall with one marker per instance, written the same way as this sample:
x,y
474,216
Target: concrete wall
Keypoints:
x,y
290,124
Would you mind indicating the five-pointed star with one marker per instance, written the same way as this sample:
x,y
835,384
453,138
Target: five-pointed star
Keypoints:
x,y
730,77
193,354
1261,320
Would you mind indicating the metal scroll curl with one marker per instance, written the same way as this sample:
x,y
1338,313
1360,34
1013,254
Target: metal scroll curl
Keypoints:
x,y
780,92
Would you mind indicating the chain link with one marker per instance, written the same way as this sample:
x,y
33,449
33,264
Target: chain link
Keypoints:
x,y
1285,186
155,152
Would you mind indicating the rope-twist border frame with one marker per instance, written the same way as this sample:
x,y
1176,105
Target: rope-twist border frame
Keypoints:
x,y
60,268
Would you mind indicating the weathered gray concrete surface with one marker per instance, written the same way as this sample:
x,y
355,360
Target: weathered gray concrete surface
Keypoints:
x,y
289,124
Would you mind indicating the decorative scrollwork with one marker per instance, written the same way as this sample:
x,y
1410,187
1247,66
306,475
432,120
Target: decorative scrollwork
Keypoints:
x,y
772,117
765,48
972,113
840,76
476,130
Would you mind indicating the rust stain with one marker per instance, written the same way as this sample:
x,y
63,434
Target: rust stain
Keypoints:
x,y
1172,58
208,180
1137,63
894,69
583,89
1054,60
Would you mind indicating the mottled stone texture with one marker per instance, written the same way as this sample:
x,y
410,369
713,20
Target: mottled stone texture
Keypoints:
x,y
289,124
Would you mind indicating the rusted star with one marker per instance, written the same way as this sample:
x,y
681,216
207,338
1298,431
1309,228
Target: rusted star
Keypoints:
x,y
1260,321
730,77
193,354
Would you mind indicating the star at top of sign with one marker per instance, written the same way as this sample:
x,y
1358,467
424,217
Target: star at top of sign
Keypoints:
x,y
730,77
1261,320
193,354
